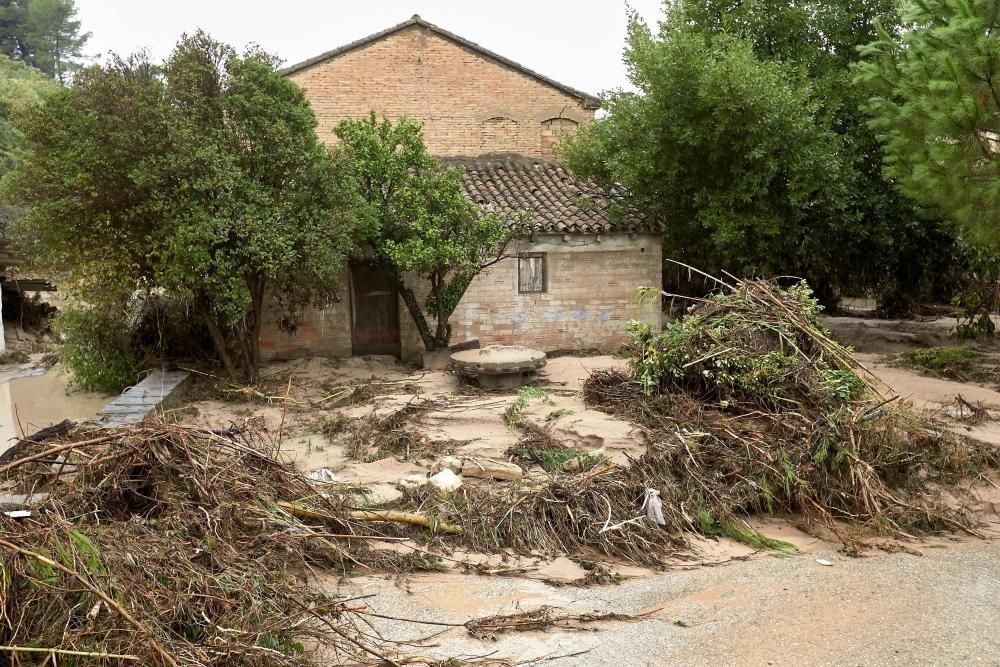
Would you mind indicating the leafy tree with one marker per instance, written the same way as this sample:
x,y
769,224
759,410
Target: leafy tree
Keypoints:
x,y
21,88
935,103
55,43
854,234
420,222
44,34
203,178
718,144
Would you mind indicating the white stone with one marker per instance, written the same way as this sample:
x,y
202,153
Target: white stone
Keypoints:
x,y
490,469
413,481
446,481
452,463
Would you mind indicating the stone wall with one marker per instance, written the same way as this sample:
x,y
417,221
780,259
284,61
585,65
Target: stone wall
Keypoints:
x,y
469,104
587,302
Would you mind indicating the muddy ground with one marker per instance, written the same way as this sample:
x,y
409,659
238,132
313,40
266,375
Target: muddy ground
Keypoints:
x,y
735,606
938,602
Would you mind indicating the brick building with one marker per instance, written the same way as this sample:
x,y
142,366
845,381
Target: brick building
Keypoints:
x,y
566,286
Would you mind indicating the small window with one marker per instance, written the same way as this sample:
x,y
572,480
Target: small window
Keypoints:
x,y
531,273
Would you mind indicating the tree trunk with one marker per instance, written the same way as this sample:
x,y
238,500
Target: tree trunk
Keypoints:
x,y
218,339
257,291
412,305
443,331
246,353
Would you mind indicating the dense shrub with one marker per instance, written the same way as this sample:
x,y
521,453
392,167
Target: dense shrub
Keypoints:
x,y
98,348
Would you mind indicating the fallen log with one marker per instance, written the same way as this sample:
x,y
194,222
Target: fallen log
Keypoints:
x,y
374,515
41,435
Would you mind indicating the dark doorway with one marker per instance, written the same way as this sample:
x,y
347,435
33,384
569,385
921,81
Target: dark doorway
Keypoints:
x,y
374,313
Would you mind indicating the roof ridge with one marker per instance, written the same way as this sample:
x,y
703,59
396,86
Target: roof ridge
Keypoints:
x,y
590,101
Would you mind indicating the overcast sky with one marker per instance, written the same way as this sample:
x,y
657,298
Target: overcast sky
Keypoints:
x,y
576,42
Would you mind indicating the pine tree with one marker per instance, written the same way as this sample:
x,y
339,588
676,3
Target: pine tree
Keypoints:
x,y
936,106
54,38
12,35
44,34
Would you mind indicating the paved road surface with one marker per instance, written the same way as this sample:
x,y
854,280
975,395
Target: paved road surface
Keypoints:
x,y
939,609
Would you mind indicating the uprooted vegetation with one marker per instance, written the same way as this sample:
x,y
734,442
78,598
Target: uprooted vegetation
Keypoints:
x,y
171,545
754,409
175,546
750,408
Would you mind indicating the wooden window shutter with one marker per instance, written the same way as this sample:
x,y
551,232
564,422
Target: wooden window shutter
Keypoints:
x,y
531,273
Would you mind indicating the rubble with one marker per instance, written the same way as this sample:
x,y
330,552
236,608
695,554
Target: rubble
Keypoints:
x,y
481,468
446,481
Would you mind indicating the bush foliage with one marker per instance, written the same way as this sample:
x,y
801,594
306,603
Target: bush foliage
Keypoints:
x,y
202,177
98,348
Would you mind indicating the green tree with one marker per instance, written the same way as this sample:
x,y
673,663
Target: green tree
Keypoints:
x,y
12,33
935,103
203,178
44,34
872,245
855,234
721,146
55,43
21,88
420,222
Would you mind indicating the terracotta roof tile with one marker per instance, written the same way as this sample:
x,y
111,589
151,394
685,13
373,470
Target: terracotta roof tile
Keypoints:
x,y
553,198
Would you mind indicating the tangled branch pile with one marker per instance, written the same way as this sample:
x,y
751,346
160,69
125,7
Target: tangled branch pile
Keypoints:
x,y
750,408
168,545
754,409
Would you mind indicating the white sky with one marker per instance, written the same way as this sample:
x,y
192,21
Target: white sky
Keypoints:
x,y
578,43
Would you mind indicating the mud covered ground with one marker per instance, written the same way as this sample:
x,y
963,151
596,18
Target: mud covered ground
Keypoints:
x,y
936,601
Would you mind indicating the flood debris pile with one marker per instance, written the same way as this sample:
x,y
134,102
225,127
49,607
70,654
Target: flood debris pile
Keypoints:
x,y
753,408
750,408
378,435
170,545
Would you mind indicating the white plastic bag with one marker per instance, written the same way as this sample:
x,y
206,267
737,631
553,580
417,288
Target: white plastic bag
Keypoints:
x,y
654,507
324,475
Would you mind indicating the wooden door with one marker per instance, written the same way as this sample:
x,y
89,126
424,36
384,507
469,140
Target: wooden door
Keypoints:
x,y
374,313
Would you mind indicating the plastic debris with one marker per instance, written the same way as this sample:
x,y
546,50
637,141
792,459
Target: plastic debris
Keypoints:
x,y
654,507
324,475
824,561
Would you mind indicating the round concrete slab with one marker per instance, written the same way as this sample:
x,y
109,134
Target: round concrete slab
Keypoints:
x,y
499,365
498,360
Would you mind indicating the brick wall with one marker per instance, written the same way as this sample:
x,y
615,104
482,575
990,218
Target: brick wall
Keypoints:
x,y
469,104
587,300
322,331
585,306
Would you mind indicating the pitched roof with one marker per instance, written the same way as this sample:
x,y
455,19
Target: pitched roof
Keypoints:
x,y
554,199
590,101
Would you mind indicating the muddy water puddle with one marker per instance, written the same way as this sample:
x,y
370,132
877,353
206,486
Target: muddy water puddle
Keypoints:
x,y
31,400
